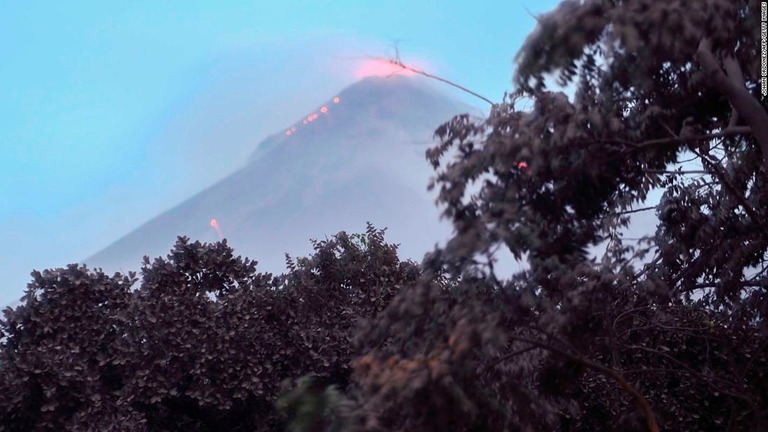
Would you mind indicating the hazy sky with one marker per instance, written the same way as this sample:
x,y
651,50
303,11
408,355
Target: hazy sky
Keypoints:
x,y
112,112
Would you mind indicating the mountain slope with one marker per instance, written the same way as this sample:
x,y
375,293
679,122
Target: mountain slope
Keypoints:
x,y
361,158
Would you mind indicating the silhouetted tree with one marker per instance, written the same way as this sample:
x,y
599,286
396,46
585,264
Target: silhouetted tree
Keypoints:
x,y
668,332
203,343
665,333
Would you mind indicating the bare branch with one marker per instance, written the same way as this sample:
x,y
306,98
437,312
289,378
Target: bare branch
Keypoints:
x,y
637,210
680,172
397,62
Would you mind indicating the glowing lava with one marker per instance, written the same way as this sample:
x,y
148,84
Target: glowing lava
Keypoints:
x,y
215,226
306,120
381,68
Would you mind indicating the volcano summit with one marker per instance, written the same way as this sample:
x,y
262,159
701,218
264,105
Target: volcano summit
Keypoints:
x,y
360,156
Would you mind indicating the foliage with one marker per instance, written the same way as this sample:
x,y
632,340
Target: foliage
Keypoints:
x,y
203,343
678,343
666,332
311,406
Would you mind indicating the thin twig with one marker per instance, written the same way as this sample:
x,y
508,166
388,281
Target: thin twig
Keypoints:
x,y
740,198
509,356
397,62
729,132
625,212
681,172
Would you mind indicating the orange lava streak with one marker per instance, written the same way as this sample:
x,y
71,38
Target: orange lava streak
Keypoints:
x,y
215,226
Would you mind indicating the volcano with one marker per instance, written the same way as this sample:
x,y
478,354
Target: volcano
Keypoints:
x,y
359,157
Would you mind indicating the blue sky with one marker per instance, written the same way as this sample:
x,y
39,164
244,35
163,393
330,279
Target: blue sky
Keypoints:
x,y
112,112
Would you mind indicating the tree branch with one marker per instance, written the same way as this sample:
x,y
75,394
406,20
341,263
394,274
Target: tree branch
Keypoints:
x,y
397,62
748,108
729,132
733,70
509,356
704,378
641,402
701,377
680,172
740,198
637,210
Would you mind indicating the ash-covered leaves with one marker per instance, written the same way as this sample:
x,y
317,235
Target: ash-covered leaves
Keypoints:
x,y
557,179
352,339
204,342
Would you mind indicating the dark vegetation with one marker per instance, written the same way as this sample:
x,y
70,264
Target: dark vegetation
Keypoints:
x,y
666,333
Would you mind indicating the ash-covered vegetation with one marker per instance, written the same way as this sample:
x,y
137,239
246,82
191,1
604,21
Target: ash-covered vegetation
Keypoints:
x,y
664,333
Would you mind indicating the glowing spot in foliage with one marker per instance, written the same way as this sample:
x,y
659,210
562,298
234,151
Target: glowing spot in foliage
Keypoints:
x,y
288,132
522,165
336,99
324,109
215,226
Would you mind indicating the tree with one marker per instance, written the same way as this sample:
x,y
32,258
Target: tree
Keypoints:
x,y
668,332
678,342
61,363
203,343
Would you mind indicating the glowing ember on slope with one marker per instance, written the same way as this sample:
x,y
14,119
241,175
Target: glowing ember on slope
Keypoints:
x,y
215,225
312,117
